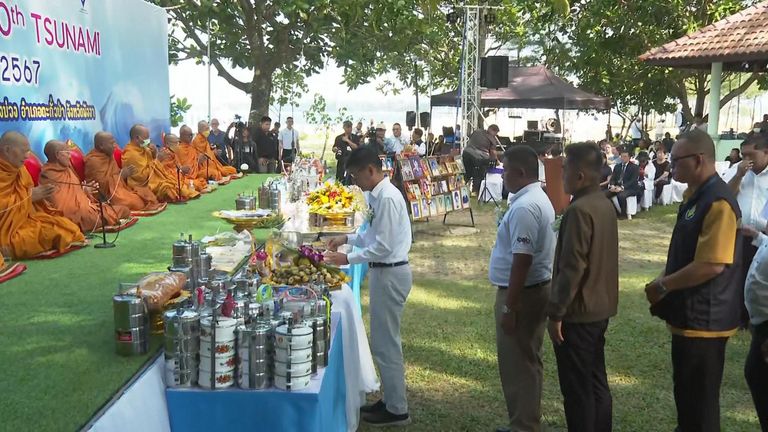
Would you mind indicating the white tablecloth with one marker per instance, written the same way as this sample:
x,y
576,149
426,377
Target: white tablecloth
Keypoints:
x,y
359,372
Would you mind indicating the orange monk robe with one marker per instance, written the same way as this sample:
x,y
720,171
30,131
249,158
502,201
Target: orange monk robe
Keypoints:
x,y
199,183
216,170
150,173
103,170
26,229
74,203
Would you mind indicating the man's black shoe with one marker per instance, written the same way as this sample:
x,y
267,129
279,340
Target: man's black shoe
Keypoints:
x,y
503,429
374,407
385,418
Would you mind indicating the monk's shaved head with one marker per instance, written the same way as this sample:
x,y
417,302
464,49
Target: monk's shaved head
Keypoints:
x,y
202,126
171,141
186,134
14,148
12,138
139,132
52,148
104,142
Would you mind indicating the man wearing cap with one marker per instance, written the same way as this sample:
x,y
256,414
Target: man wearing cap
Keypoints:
x,y
379,142
342,147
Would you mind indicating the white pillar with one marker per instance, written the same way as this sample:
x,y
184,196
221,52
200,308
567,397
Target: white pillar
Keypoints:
x,y
715,82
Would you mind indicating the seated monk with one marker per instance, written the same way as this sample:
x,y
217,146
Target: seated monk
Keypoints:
x,y
73,199
148,169
101,167
213,169
180,164
27,226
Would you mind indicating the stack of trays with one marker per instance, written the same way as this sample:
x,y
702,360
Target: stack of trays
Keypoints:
x,y
293,357
217,355
254,357
182,346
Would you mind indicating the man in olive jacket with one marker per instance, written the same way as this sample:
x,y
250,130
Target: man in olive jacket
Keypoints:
x,y
585,292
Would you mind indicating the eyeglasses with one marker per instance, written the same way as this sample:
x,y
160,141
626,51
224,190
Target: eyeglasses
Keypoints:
x,y
674,159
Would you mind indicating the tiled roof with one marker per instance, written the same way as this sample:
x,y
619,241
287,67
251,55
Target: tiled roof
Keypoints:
x,y
737,39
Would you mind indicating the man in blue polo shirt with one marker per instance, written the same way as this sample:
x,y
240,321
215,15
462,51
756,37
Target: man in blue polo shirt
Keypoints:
x,y
521,269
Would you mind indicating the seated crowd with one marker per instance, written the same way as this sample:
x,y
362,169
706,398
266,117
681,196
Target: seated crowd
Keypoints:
x,y
47,209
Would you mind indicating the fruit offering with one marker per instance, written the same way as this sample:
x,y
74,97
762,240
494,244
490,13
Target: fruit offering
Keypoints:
x,y
306,266
333,198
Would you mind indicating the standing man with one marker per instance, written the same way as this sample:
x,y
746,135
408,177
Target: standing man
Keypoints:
x,y
478,155
756,296
636,132
384,246
266,147
585,292
342,147
221,144
397,142
698,294
521,269
750,184
623,182
289,143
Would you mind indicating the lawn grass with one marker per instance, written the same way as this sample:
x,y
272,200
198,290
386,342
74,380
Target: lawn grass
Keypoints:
x,y
59,365
58,355
449,339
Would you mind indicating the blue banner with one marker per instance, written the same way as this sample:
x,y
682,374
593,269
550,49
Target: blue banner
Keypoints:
x,y
70,68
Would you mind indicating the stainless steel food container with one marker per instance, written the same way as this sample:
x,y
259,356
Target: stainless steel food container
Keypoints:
x,y
181,361
180,378
131,324
245,202
246,380
181,324
189,345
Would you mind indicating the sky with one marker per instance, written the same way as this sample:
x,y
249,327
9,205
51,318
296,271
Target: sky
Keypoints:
x,y
366,102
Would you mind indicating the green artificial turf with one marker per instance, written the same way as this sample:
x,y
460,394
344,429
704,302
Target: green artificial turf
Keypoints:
x,y
56,328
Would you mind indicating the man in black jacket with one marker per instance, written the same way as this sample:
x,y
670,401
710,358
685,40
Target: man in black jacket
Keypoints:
x,y
698,293
623,182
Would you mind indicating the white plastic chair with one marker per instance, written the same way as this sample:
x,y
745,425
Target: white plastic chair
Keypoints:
x,y
647,199
631,206
666,195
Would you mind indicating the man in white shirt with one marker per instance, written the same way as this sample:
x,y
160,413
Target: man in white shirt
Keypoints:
x,y
289,142
418,143
397,141
384,246
756,300
636,132
521,269
750,184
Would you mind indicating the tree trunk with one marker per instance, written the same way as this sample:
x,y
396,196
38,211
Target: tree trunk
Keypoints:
x,y
325,143
261,89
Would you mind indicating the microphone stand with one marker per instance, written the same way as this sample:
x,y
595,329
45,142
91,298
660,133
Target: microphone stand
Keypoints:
x,y
103,244
180,200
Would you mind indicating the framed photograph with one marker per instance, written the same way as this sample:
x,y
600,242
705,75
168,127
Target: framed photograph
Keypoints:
x,y
389,164
434,166
425,167
464,197
433,207
405,169
460,166
415,210
416,168
456,200
424,207
439,203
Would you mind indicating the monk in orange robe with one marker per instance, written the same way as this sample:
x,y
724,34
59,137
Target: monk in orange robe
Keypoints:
x,y
26,227
73,199
148,169
101,167
180,163
212,168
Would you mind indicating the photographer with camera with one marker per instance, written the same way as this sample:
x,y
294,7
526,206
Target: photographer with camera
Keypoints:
x,y
243,147
342,147
267,151
376,138
480,155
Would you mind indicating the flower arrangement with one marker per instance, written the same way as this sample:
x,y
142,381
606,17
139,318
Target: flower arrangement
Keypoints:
x,y
333,198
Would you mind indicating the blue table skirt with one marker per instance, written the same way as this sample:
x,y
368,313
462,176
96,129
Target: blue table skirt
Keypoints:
x,y
271,410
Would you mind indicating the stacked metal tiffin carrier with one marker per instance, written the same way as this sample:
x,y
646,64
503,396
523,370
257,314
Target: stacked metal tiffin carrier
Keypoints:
x,y
182,347
190,259
217,352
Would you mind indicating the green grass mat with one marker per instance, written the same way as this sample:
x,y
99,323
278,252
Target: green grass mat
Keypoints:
x,y
56,326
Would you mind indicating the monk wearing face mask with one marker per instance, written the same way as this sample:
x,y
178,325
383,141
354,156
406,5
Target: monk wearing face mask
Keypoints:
x,y
148,170
213,169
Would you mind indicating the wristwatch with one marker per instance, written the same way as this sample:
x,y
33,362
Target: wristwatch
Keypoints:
x,y
661,289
